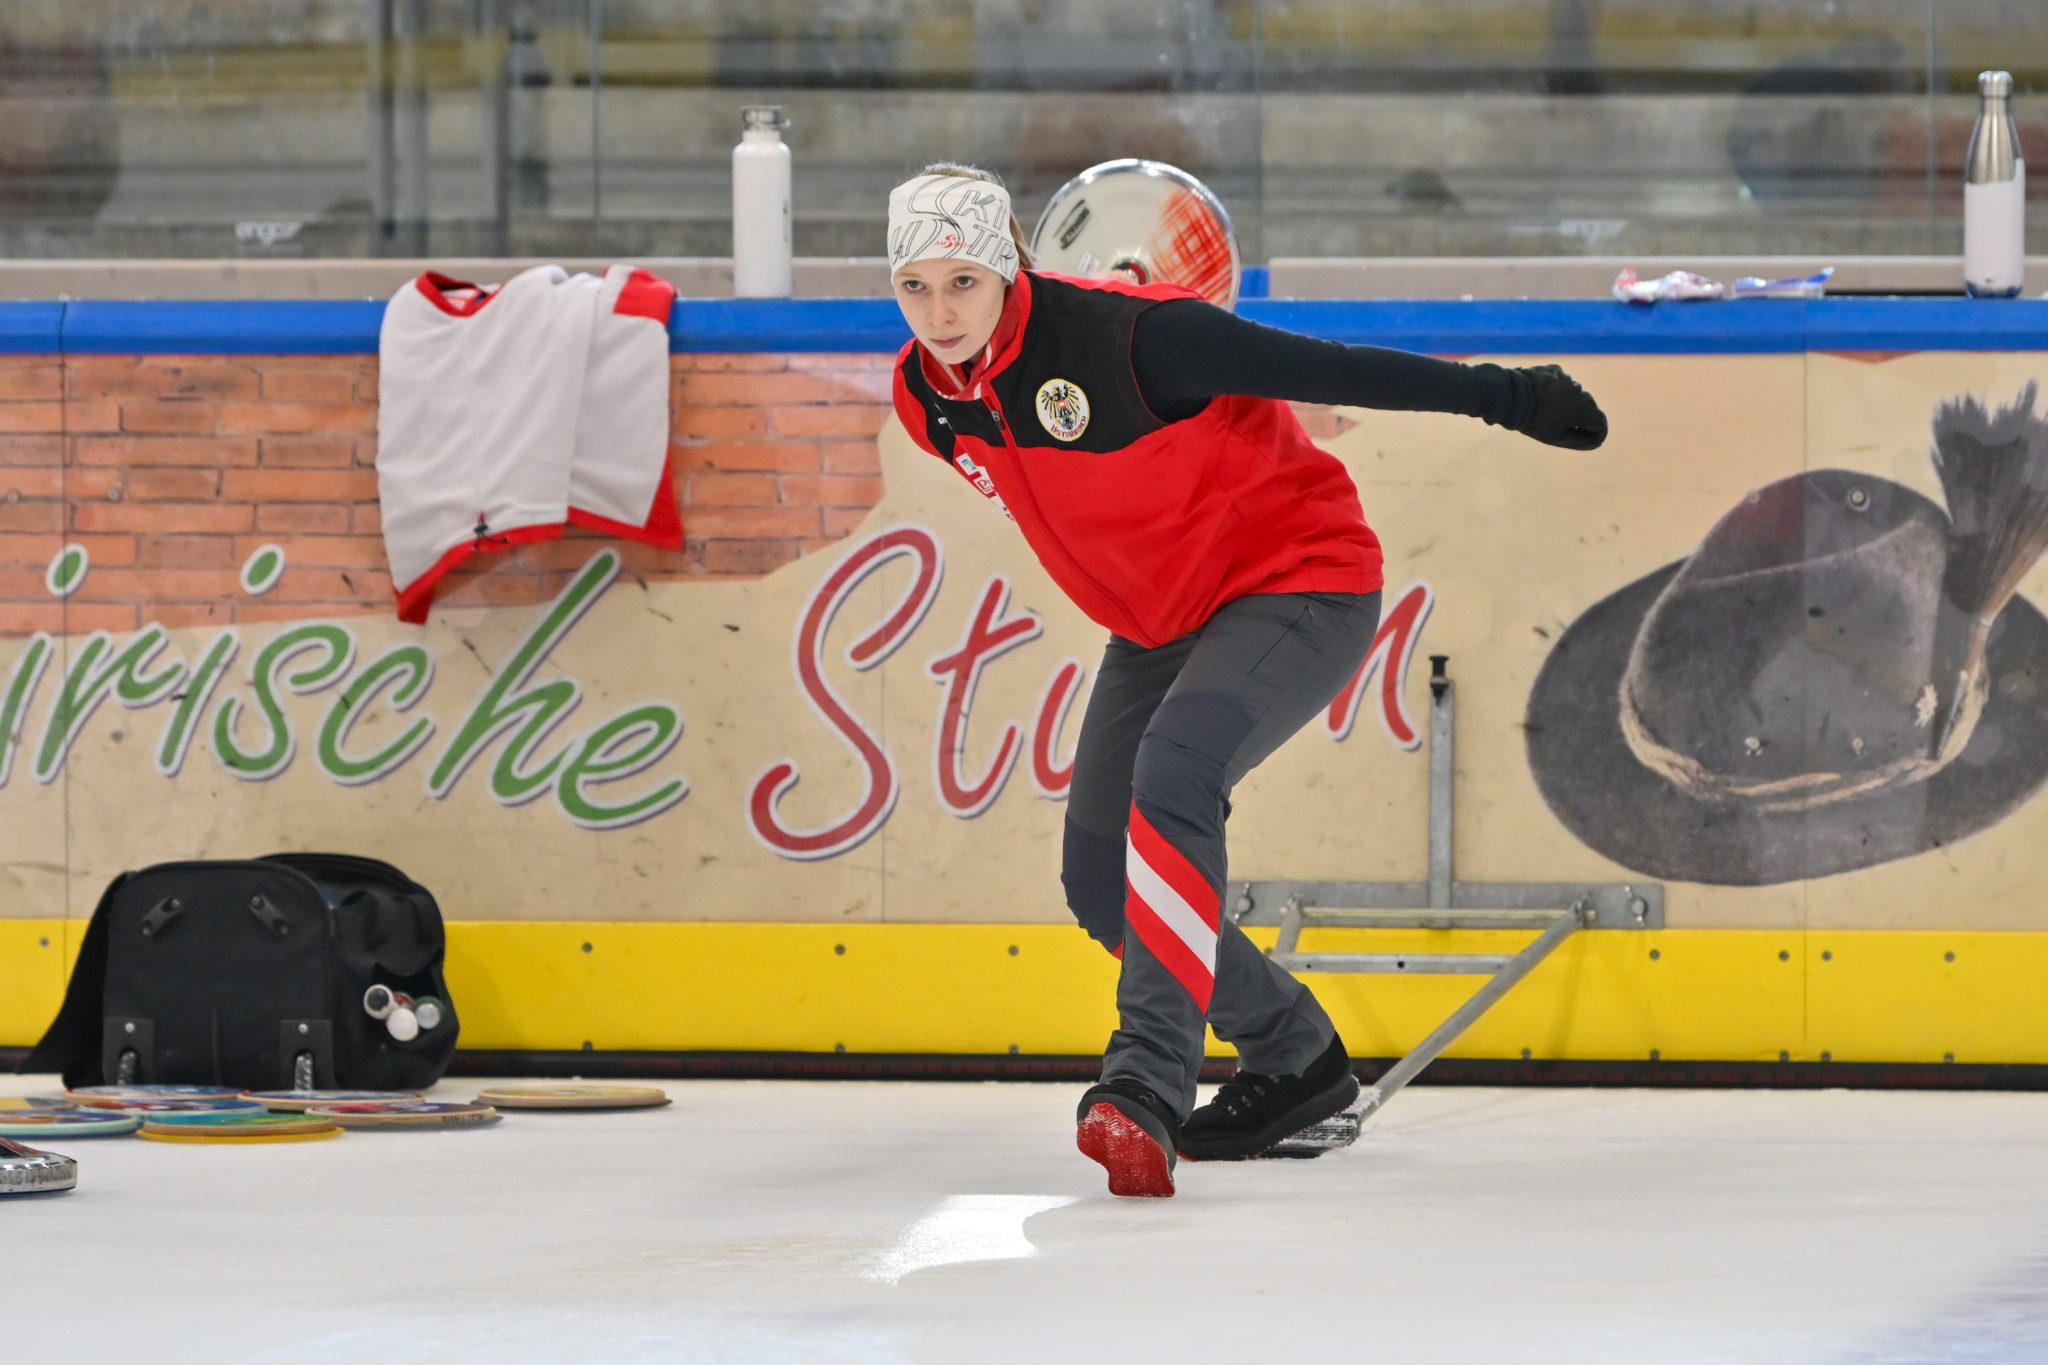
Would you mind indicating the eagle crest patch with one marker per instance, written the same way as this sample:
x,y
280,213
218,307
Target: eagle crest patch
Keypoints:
x,y
1062,409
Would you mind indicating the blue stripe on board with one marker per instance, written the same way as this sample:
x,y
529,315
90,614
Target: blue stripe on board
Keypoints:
x,y
255,327
1441,327
705,326
31,328
1927,325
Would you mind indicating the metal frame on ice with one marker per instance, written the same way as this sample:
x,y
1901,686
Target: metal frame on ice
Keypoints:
x,y
1558,909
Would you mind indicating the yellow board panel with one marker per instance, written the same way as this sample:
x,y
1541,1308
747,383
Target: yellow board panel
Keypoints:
x,y
1723,995
781,987
1928,997
1037,989
33,967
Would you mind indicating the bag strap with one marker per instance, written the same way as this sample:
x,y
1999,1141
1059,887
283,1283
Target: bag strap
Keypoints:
x,y
395,910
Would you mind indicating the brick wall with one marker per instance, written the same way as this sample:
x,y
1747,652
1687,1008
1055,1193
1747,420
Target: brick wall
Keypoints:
x,y
170,470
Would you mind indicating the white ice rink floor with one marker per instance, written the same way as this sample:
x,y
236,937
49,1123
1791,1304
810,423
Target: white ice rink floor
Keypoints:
x,y
873,1222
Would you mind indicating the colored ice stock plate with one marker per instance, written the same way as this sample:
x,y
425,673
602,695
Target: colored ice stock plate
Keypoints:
x,y
405,1114
240,1137
264,1127
69,1123
87,1093
574,1096
211,1118
222,1107
299,1100
24,1170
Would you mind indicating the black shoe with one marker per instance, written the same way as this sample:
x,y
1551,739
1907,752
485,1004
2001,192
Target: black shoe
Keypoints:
x,y
1129,1132
1253,1112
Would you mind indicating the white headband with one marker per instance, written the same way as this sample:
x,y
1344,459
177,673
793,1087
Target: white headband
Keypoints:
x,y
945,216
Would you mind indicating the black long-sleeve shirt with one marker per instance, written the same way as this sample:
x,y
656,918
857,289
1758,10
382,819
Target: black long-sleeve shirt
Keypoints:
x,y
1185,352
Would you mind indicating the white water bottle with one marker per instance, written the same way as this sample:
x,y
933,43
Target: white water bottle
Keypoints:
x,y
760,206
1994,197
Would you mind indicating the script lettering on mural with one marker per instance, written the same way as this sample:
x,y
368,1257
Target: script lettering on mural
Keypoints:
x,y
513,729
990,633
253,736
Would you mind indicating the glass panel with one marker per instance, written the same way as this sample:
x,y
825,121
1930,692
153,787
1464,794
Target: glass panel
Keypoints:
x,y
182,129
1971,36
1036,92
1606,127
598,128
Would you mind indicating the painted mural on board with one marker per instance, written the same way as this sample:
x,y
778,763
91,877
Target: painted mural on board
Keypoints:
x,y
883,730
251,736
1840,675
966,787
508,727
628,750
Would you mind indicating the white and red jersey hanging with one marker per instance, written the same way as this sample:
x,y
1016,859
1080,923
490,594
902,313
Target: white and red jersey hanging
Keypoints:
x,y
509,412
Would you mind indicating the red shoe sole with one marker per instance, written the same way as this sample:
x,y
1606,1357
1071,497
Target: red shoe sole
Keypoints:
x,y
1137,1165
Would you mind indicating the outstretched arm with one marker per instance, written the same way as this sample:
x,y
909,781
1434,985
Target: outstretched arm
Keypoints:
x,y
1186,351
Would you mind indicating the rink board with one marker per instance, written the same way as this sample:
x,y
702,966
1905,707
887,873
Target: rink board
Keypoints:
x,y
986,990
818,807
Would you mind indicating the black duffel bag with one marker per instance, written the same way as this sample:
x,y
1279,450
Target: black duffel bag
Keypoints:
x,y
253,973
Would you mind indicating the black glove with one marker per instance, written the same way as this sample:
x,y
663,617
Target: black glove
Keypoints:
x,y
1556,411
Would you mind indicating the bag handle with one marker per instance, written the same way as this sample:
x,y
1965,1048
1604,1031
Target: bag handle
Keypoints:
x,y
170,907
161,914
269,916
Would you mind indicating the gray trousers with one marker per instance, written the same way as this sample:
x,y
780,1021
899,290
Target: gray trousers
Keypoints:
x,y
1168,733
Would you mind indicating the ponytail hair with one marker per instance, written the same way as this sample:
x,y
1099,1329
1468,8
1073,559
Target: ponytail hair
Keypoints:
x,y
963,172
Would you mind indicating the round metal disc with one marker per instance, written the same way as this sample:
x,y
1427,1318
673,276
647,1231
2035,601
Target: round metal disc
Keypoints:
x,y
1153,221
24,1170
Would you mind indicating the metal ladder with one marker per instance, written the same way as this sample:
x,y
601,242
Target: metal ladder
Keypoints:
x,y
1557,909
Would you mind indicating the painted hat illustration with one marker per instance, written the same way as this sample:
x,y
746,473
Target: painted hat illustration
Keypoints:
x,y
1840,675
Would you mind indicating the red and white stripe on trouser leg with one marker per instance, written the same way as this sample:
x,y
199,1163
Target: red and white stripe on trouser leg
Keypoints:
x,y
1173,908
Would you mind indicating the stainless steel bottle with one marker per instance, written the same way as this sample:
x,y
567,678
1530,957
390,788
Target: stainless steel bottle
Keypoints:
x,y
1994,196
